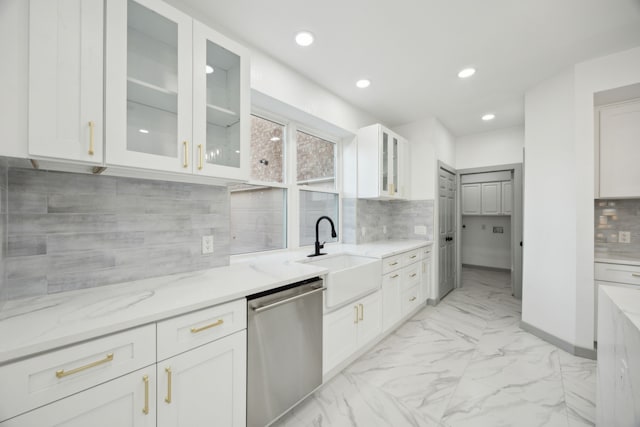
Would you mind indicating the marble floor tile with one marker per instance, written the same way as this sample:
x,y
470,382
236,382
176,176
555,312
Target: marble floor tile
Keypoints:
x,y
465,362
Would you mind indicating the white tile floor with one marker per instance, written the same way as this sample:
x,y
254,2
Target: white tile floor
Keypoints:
x,y
465,362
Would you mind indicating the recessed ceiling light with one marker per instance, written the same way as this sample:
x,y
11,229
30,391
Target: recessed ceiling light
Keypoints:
x,y
304,38
143,131
488,117
466,73
363,83
209,69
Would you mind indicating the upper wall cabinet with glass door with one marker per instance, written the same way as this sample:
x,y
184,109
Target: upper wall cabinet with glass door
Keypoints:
x,y
221,122
382,164
159,89
66,80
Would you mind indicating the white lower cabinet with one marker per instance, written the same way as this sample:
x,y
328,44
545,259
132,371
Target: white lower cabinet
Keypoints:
x,y
205,386
349,328
391,294
425,275
128,401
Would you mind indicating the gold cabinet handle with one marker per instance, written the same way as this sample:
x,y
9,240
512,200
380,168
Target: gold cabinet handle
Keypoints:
x,y
394,263
204,328
412,299
355,319
394,276
391,189
62,373
185,164
414,275
413,256
199,156
91,126
145,410
635,274
361,307
168,398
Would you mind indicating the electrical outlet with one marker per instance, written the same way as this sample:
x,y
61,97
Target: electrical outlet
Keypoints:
x,y
207,244
624,237
420,230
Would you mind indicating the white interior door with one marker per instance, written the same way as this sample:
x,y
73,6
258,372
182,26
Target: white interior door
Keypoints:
x,y
447,232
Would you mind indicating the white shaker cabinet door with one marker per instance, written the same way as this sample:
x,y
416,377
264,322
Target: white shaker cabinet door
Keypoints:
x,y
128,401
391,291
339,336
66,79
370,320
491,192
205,386
507,197
620,150
471,199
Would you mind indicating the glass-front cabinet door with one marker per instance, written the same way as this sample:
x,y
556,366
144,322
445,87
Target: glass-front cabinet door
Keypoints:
x,y
386,163
148,86
221,105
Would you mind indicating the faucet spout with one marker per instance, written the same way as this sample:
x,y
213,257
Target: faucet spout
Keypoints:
x,y
319,245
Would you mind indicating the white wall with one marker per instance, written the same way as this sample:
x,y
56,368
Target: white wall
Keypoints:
x,y
600,74
549,274
499,147
481,246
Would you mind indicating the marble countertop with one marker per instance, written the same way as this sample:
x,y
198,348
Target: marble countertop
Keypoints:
x,y
623,259
627,300
37,324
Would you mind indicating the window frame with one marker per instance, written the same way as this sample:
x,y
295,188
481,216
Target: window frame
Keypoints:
x,y
290,184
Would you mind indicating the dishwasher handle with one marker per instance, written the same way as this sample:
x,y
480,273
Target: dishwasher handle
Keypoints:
x,y
286,300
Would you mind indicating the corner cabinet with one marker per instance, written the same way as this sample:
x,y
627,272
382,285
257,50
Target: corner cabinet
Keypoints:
x,y
382,164
66,80
177,93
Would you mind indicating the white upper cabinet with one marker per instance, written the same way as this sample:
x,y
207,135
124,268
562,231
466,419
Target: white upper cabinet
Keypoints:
x,y
148,86
619,150
221,105
507,197
491,192
382,163
66,80
487,198
177,93
471,199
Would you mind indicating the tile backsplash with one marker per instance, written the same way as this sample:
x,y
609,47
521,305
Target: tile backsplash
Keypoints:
x,y
3,227
400,217
69,231
613,217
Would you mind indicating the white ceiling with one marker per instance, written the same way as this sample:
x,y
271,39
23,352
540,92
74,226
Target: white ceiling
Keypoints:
x,y
412,50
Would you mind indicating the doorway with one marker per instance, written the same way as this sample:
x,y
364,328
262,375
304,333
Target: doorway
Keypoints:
x,y
447,230
490,220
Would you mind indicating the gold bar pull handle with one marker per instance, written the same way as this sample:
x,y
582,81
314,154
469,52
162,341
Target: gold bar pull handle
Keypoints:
x,y
145,410
169,374
413,256
635,275
204,328
361,309
394,276
199,156
412,299
414,275
355,319
185,164
62,373
91,126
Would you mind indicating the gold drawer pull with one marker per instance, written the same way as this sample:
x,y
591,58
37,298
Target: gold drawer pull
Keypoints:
x,y
168,398
199,156
145,410
361,308
355,319
185,164
62,373
393,263
414,275
204,328
635,274
412,299
91,126
413,256
394,276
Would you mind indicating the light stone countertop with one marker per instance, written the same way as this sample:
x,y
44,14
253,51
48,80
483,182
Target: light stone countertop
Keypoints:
x,y
622,259
627,300
32,325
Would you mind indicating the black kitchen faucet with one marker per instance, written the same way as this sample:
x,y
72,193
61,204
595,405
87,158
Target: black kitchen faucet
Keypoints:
x,y
318,245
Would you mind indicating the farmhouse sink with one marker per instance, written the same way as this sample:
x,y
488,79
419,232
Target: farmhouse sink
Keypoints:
x,y
349,277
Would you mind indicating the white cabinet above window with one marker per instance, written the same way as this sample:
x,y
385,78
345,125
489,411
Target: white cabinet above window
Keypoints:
x,y
383,164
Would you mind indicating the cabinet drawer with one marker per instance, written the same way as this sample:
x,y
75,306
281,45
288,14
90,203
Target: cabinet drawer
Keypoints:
x,y
410,299
426,252
617,273
391,263
410,257
411,275
191,330
39,380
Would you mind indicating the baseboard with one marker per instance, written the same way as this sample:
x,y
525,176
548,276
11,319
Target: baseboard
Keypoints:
x,y
560,343
484,267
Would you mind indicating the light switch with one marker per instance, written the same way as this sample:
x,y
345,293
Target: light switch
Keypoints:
x,y
624,237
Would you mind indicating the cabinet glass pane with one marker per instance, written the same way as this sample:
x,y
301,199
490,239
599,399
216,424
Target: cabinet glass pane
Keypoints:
x,y
385,161
267,150
223,106
313,205
152,82
315,161
395,165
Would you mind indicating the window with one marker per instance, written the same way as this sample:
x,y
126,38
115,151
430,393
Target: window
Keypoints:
x,y
293,175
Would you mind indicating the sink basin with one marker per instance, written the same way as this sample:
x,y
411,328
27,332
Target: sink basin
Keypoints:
x,y
349,277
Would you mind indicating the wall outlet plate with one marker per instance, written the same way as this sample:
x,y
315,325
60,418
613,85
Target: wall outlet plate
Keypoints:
x,y
207,244
420,230
624,237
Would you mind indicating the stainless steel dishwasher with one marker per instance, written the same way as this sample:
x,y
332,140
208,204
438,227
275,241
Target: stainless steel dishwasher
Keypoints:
x,y
284,349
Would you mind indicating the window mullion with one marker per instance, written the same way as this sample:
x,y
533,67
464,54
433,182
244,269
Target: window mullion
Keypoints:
x,y
293,195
